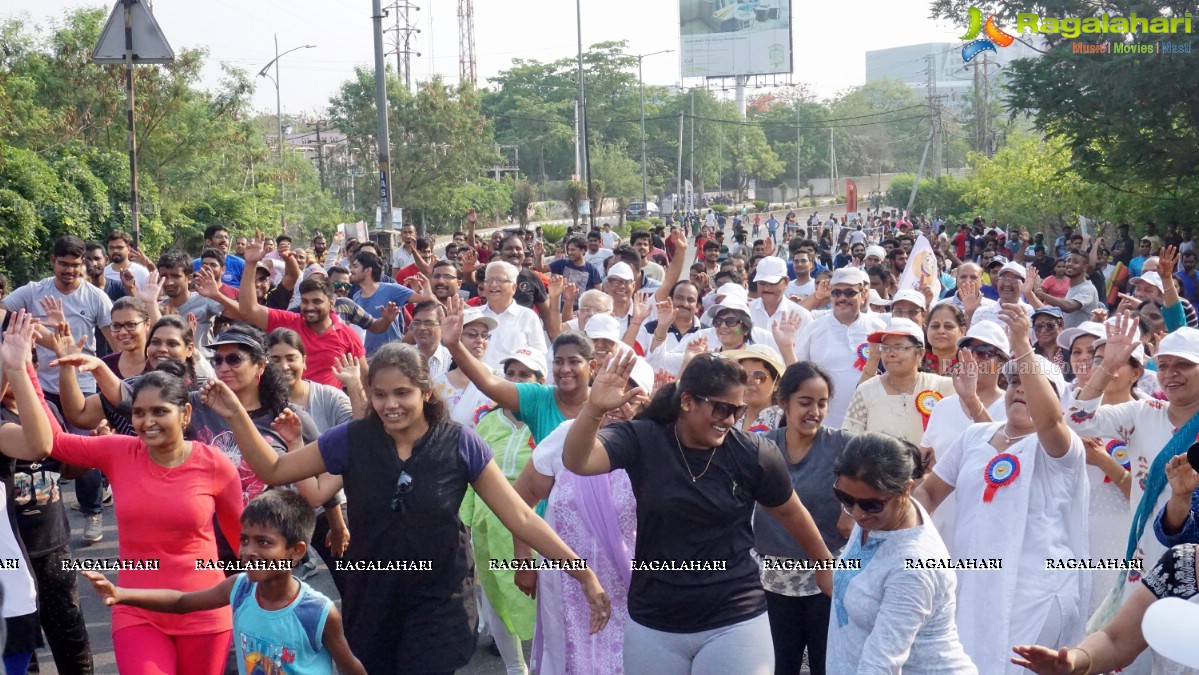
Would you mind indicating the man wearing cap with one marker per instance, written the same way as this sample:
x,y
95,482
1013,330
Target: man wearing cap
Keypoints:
x,y
909,304
770,278
875,255
1082,297
605,331
837,340
1009,282
517,326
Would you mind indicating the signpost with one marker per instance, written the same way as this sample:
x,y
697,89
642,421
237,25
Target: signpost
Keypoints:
x,y
132,37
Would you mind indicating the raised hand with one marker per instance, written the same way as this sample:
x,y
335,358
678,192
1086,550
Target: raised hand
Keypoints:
x,y
451,328
679,237
65,344
555,287
1017,322
570,293
192,322
697,346
641,305
52,309
151,290
137,256
823,291
422,289
786,328
1184,480
1122,338
129,281
254,249
287,425
1099,314
965,376
538,248
102,429
469,259
218,396
18,341
390,312
608,389
1045,661
348,370
108,593
1032,282
1167,258
207,284
84,363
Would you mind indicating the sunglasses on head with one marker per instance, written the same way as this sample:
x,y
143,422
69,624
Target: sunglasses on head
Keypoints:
x,y
984,351
867,505
722,409
403,487
234,360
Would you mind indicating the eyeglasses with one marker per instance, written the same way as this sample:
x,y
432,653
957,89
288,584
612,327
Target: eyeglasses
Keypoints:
x,y
475,336
867,505
342,286
445,277
497,281
887,349
722,409
984,351
759,376
1046,326
729,321
424,324
403,487
234,360
591,310
131,326
619,282
839,293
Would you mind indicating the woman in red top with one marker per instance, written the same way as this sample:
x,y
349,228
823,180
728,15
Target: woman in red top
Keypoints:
x,y
153,469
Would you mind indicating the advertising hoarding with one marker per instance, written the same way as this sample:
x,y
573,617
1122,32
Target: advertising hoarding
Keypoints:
x,y
723,38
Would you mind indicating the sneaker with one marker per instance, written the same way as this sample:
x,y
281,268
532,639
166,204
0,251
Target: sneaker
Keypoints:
x,y
107,498
94,530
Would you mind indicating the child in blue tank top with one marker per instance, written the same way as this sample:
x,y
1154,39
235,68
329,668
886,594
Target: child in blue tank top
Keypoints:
x,y
280,624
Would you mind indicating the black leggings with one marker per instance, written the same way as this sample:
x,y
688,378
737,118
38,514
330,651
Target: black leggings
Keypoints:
x,y
61,616
796,624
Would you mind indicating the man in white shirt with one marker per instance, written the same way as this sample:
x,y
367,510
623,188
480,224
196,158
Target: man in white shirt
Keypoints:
x,y
120,245
803,284
771,305
837,341
1009,283
517,326
405,254
595,255
425,329
609,238
969,296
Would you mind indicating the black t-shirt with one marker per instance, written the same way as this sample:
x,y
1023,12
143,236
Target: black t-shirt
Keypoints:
x,y
682,521
40,515
1045,267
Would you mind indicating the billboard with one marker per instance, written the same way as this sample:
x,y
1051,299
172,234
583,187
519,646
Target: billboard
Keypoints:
x,y
723,38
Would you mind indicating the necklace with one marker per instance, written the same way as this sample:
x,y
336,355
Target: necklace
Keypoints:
x,y
169,469
679,445
1013,439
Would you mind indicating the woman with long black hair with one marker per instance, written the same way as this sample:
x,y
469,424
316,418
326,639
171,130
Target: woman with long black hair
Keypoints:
x,y
405,479
695,601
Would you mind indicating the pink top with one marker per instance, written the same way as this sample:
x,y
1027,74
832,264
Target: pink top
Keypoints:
x,y
165,514
1054,287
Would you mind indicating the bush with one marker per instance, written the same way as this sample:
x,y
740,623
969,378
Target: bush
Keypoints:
x,y
760,204
553,233
656,221
720,208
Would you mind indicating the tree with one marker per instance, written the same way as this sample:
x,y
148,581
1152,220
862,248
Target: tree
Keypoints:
x,y
574,193
523,195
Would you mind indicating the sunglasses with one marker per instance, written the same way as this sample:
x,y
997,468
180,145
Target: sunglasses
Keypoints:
x,y
759,376
341,285
722,409
867,505
984,351
234,360
844,293
403,487
729,321
1047,326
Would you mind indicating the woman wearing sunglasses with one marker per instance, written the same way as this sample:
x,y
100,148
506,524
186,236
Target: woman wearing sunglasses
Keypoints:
x,y
763,366
889,615
695,598
732,329
409,603
798,611
1021,496
597,514
900,401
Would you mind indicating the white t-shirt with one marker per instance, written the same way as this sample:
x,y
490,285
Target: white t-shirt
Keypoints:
x,y
140,274
87,308
609,239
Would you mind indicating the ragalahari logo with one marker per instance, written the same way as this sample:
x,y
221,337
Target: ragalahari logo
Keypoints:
x,y
994,36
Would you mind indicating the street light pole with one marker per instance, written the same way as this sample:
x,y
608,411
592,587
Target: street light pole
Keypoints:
x,y
641,88
279,118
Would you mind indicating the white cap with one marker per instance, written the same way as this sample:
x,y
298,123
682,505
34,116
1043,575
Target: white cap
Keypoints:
x,y
475,315
877,300
643,375
1014,268
1169,628
603,327
988,332
620,270
848,275
770,270
876,251
1153,279
1067,337
900,327
733,290
909,295
533,358
1183,343
732,302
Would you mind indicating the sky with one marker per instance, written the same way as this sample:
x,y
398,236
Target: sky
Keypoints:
x,y
829,38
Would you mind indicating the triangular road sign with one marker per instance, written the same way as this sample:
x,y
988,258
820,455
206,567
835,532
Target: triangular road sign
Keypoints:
x,y
149,44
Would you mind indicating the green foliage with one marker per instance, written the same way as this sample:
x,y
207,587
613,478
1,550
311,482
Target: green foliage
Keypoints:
x,y
760,204
942,196
553,233
720,208
523,194
573,193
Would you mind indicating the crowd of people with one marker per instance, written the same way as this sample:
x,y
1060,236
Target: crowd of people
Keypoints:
x,y
672,454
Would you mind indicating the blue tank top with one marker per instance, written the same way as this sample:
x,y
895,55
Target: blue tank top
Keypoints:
x,y
287,640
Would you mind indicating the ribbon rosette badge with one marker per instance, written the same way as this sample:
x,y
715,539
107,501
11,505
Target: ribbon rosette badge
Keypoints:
x,y
863,351
1001,471
1119,452
925,401
994,36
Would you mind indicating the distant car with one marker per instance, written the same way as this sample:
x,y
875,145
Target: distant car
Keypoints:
x,y
638,210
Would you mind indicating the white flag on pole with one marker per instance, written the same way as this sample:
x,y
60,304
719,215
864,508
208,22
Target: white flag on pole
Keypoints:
x,y
922,268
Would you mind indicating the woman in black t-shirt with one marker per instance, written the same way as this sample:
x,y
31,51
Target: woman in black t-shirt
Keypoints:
x,y
696,601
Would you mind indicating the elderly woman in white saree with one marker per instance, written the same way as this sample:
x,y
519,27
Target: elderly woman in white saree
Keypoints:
x,y
1021,493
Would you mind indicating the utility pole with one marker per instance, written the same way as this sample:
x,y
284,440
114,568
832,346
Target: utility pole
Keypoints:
x,y
691,170
319,126
382,136
934,111
279,122
832,164
583,114
641,89
680,190
798,155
